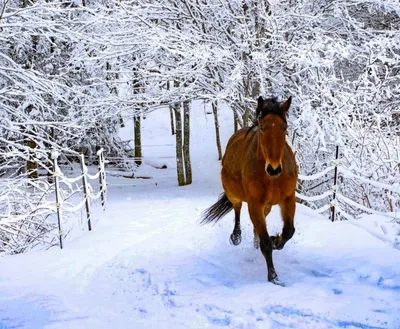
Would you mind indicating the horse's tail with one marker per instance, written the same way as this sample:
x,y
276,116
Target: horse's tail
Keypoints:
x,y
217,210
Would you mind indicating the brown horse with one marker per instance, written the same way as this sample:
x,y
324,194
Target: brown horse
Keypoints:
x,y
259,168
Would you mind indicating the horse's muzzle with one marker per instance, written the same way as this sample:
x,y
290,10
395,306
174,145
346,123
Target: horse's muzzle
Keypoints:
x,y
274,172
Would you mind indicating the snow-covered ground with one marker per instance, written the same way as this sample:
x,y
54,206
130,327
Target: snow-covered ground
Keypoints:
x,y
149,264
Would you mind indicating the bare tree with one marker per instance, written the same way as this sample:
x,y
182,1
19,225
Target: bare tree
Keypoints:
x,y
186,142
179,151
138,139
171,112
217,137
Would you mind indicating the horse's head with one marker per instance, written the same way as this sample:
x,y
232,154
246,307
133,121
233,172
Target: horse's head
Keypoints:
x,y
272,125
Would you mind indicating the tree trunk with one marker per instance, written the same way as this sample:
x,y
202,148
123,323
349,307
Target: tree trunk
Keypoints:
x,y
179,153
246,117
247,74
138,139
50,168
111,78
218,140
171,112
250,78
31,165
136,89
186,142
235,121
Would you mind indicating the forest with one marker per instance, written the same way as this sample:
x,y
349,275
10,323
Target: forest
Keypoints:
x,y
73,73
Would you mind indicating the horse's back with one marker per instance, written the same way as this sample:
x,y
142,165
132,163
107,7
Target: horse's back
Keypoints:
x,y
234,162
235,147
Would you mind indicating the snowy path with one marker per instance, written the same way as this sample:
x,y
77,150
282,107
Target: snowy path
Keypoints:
x,y
149,265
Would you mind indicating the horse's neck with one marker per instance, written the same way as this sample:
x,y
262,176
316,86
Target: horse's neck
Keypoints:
x,y
253,150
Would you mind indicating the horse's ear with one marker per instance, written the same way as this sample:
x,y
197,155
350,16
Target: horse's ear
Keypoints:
x,y
285,105
260,106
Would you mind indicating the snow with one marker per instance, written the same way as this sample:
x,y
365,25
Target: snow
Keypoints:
x,y
55,155
149,264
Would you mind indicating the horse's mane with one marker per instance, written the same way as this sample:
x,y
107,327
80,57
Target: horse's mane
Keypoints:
x,y
269,106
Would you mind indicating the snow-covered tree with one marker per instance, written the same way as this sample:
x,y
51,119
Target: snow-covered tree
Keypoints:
x,y
71,72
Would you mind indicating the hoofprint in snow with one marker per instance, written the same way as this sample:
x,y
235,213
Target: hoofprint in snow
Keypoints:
x,y
148,264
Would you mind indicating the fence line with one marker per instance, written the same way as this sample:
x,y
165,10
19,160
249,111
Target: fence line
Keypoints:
x,y
87,191
102,178
336,195
317,175
348,174
56,170
314,197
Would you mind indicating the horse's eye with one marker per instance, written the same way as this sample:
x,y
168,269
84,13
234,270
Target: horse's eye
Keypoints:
x,y
261,129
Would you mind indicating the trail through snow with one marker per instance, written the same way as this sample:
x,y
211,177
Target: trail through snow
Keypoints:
x,y
148,264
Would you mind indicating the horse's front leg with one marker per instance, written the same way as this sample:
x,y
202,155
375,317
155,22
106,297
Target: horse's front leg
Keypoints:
x,y
257,217
236,236
288,208
256,240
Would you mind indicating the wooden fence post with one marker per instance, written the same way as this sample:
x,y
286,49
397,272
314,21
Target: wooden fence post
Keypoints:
x,y
335,180
54,157
101,177
103,161
85,191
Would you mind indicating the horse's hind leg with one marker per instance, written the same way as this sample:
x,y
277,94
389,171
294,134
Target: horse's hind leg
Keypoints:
x,y
288,208
236,236
256,240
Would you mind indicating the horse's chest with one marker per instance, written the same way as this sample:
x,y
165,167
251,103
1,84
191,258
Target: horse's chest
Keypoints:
x,y
273,194
266,192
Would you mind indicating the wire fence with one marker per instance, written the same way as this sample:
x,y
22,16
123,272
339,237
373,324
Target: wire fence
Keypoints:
x,y
28,206
336,200
88,194
24,221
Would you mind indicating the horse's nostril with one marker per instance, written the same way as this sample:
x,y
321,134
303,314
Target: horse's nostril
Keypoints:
x,y
274,172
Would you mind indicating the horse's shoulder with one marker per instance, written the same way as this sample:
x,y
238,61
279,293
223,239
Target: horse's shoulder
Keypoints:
x,y
238,143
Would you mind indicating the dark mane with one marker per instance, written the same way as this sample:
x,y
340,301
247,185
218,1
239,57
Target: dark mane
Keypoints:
x,y
265,107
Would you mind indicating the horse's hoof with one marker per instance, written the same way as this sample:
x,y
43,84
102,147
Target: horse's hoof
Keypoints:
x,y
235,239
276,242
273,277
277,282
